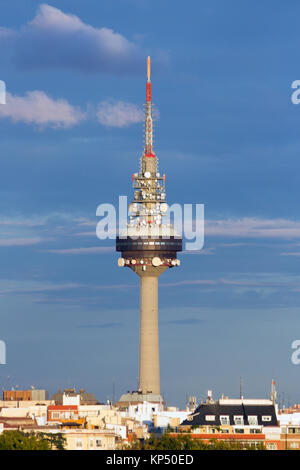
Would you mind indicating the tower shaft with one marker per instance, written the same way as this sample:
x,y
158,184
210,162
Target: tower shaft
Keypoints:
x,y
149,378
149,374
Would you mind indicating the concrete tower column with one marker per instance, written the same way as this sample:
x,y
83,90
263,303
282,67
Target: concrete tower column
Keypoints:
x,y
149,378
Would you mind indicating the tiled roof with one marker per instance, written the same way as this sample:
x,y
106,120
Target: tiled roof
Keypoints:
x,y
231,410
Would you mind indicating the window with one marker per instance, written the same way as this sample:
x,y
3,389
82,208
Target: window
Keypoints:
x,y
271,446
239,431
252,420
98,443
294,445
238,420
293,430
55,415
266,418
255,431
210,417
79,444
224,420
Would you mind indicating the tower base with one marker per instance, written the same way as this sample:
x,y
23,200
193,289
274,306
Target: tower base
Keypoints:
x,y
133,398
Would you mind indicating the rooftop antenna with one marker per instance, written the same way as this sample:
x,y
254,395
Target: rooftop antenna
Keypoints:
x,y
273,392
241,387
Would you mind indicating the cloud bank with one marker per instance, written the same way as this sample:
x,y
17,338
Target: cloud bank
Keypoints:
x,y
36,107
7,242
251,227
57,39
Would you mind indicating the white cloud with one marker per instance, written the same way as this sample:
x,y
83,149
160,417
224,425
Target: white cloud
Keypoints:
x,y
294,253
119,114
204,251
57,39
238,280
54,38
253,228
38,108
20,241
22,222
33,287
7,36
82,250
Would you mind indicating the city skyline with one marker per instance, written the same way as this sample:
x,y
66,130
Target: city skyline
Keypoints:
x,y
71,134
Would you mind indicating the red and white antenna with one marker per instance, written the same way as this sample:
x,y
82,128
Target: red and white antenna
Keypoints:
x,y
148,116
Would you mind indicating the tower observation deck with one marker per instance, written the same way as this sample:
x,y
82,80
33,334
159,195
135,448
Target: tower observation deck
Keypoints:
x,y
149,247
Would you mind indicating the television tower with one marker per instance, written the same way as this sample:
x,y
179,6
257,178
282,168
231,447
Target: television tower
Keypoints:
x,y
149,248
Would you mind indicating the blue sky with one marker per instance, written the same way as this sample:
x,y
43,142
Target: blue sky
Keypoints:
x,y
227,136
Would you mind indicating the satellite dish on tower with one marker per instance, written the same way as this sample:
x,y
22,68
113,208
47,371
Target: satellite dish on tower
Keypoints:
x,y
164,207
156,261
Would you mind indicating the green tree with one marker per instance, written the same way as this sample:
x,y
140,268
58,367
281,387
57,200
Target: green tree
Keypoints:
x,y
57,441
186,442
17,440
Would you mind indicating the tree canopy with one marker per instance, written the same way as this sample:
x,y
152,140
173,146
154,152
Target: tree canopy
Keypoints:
x,y
18,440
186,442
